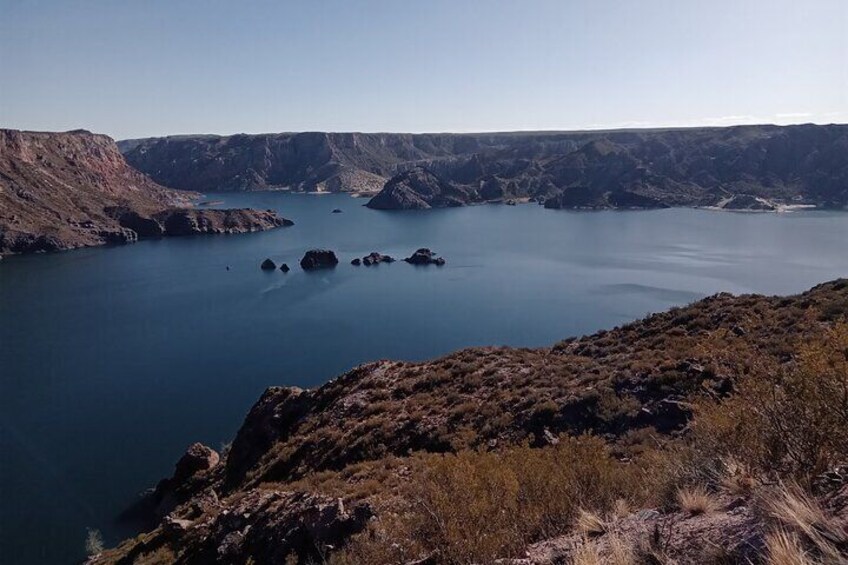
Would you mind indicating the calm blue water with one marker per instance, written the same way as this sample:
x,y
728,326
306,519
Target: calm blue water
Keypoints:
x,y
113,360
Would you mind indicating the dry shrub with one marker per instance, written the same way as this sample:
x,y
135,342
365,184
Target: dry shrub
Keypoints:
x,y
467,507
788,422
590,524
557,481
696,500
387,540
474,507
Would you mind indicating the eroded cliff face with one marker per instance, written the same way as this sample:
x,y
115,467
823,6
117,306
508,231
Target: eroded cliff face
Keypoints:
x,y
75,189
605,169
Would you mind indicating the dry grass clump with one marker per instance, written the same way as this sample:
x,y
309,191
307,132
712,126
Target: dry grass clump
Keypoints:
x,y
590,524
614,551
696,500
784,548
805,526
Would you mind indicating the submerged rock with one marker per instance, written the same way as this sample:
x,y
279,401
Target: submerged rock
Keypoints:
x,y
319,259
337,211
424,256
268,265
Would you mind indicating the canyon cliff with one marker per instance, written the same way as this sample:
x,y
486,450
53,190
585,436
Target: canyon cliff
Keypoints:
x,y
803,164
75,189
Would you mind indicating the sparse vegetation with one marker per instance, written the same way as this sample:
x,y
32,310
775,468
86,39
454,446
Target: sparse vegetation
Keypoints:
x,y
683,418
93,542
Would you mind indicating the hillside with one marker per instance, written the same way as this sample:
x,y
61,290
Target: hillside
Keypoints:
x,y
598,445
74,189
804,164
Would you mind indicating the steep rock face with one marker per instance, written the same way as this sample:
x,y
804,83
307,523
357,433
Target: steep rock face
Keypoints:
x,y
311,161
74,189
603,169
654,169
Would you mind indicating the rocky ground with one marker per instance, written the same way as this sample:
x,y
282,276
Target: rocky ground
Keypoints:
x,y
311,471
66,190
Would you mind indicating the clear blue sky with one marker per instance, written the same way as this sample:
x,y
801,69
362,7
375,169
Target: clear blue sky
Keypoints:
x,y
143,68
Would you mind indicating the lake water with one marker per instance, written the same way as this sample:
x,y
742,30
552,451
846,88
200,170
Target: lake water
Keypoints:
x,y
113,360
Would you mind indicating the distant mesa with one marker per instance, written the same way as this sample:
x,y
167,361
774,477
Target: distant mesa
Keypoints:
x,y
268,265
424,256
629,169
319,259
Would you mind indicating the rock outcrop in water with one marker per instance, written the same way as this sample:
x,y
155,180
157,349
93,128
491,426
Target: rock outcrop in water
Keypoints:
x,y
424,256
308,468
318,259
803,164
375,258
74,189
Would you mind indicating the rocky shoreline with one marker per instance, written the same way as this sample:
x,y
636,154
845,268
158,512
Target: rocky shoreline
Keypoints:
x,y
61,191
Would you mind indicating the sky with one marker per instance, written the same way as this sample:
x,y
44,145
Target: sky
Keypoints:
x,y
149,68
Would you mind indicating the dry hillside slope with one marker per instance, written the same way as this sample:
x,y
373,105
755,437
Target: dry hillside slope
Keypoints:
x,y
672,439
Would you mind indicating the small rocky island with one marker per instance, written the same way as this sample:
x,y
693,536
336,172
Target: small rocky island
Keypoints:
x,y
373,258
319,259
424,256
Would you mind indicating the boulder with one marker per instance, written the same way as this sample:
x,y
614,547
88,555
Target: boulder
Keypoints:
x,y
356,262
268,265
319,259
284,268
337,211
196,459
424,256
